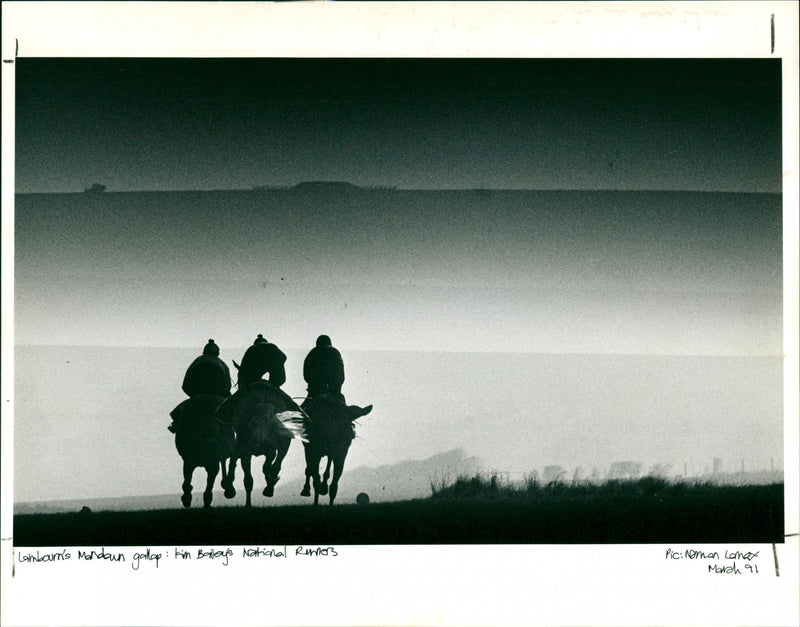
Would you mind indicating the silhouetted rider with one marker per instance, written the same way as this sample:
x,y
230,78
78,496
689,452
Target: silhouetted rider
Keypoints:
x,y
259,359
262,358
207,374
323,370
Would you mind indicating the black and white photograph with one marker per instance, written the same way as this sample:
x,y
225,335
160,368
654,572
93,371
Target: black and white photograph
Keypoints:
x,y
376,324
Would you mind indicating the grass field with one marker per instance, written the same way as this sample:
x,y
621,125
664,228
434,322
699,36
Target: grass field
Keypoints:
x,y
470,511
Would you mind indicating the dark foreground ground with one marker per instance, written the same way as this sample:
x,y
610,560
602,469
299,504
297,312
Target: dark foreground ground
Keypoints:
x,y
624,512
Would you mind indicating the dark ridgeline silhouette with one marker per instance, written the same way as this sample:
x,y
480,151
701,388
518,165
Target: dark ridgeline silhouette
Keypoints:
x,y
201,440
336,187
264,417
329,420
646,511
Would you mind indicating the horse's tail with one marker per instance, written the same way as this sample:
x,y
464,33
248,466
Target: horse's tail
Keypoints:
x,y
290,424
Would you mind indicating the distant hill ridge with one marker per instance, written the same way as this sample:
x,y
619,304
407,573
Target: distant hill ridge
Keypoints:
x,y
407,479
345,187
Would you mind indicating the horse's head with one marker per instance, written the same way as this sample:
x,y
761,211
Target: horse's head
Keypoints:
x,y
238,367
244,377
326,407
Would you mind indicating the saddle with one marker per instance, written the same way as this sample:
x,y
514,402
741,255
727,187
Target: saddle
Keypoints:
x,y
197,411
228,407
325,407
195,425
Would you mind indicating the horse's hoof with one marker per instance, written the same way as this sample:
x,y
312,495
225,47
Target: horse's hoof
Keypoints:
x,y
323,489
230,492
268,491
186,499
305,492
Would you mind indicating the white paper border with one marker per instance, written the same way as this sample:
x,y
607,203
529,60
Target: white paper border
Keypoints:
x,y
441,585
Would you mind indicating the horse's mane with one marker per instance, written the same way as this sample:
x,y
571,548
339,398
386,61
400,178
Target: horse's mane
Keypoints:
x,y
263,413
267,392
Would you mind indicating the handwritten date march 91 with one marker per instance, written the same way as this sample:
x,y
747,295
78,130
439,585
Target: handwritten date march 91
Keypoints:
x,y
729,568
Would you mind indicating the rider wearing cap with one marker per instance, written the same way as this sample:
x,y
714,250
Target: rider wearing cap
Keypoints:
x,y
259,359
207,374
262,358
323,371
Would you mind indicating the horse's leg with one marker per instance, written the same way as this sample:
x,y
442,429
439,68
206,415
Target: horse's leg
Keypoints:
x,y
317,481
323,486
311,471
273,472
338,469
186,497
319,486
227,477
265,468
212,470
248,479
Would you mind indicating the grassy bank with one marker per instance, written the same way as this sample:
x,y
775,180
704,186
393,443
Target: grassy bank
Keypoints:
x,y
470,511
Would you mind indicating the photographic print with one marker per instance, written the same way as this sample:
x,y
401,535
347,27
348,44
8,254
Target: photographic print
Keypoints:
x,y
270,306
557,281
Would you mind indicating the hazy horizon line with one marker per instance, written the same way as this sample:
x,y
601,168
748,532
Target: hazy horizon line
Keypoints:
x,y
463,455
217,491
394,188
405,350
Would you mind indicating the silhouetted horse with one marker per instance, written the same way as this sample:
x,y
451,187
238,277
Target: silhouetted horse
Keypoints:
x,y
330,430
202,441
266,420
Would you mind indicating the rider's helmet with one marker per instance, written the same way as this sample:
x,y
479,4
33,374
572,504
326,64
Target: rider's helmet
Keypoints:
x,y
211,349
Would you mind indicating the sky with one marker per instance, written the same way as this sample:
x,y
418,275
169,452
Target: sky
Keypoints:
x,y
520,217
578,272
668,128
183,124
106,411
652,274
